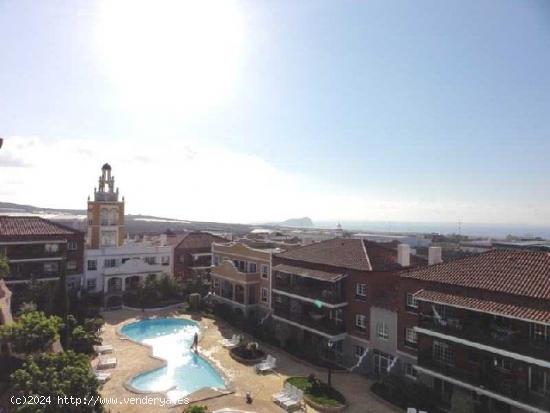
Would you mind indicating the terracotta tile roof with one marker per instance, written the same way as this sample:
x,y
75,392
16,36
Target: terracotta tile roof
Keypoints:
x,y
307,272
13,227
510,310
195,240
517,272
350,253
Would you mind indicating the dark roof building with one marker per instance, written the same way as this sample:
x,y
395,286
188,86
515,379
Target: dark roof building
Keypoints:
x,y
483,328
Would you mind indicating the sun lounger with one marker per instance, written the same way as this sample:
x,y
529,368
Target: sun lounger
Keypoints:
x,y
107,348
231,342
285,393
102,376
294,401
106,362
267,365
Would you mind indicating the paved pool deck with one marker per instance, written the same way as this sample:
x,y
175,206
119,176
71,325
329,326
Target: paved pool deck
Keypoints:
x,y
134,358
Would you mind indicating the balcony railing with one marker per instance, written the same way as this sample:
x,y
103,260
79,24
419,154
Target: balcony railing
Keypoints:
x,y
315,292
499,337
316,321
487,377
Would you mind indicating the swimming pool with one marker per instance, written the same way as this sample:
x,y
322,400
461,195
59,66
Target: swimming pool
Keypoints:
x,y
171,340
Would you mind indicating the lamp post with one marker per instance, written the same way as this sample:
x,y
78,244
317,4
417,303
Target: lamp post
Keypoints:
x,y
330,345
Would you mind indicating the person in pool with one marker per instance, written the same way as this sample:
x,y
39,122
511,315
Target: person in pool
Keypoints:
x,y
195,341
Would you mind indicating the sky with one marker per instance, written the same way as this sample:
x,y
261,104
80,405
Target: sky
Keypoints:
x,y
252,111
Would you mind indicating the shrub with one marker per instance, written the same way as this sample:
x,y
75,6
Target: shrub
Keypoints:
x,y
196,408
32,332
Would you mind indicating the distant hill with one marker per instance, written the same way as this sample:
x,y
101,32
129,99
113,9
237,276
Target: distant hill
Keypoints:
x,y
135,224
304,222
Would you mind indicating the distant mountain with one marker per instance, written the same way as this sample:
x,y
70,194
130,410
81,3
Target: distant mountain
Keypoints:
x,y
304,222
134,224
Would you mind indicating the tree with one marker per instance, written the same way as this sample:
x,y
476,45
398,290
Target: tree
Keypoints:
x,y
61,303
83,338
4,266
32,332
56,376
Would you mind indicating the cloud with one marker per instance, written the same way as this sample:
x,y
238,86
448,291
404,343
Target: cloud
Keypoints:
x,y
186,179
7,160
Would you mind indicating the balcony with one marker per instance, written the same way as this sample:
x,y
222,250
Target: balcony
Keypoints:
x,y
330,293
489,334
310,317
487,377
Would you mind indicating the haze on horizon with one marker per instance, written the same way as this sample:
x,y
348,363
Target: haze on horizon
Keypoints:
x,y
257,111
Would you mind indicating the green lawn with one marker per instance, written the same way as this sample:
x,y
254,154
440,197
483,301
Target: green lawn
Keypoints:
x,y
321,394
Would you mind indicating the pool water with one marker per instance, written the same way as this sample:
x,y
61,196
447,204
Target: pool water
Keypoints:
x,y
171,339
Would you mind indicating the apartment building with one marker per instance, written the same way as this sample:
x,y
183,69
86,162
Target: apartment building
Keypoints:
x,y
193,254
39,250
480,330
113,266
341,291
241,275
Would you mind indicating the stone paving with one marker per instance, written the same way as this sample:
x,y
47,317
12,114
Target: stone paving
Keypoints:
x,y
134,358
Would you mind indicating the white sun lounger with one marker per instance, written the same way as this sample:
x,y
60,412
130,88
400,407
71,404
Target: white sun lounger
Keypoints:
x,y
107,348
292,394
102,376
283,393
267,365
231,342
294,401
106,362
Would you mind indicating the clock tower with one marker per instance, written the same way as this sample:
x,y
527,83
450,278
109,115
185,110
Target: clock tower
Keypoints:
x,y
105,213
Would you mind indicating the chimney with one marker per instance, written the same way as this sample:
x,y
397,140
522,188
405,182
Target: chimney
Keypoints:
x,y
434,255
404,255
163,240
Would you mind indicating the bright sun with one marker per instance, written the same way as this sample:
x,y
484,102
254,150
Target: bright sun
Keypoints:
x,y
176,55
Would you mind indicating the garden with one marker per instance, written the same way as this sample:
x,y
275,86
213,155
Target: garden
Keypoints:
x,y
319,395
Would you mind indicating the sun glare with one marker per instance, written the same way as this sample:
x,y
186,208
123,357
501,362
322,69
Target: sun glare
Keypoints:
x,y
171,54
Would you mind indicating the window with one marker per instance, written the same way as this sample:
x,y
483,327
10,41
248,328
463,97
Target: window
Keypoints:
x,y
216,259
240,265
264,296
182,258
71,265
252,267
443,353
72,245
216,283
278,298
109,263
165,260
150,260
265,271
361,321
412,303
361,291
540,380
502,363
91,284
410,337
359,351
382,331
92,265
51,247
410,371
51,267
